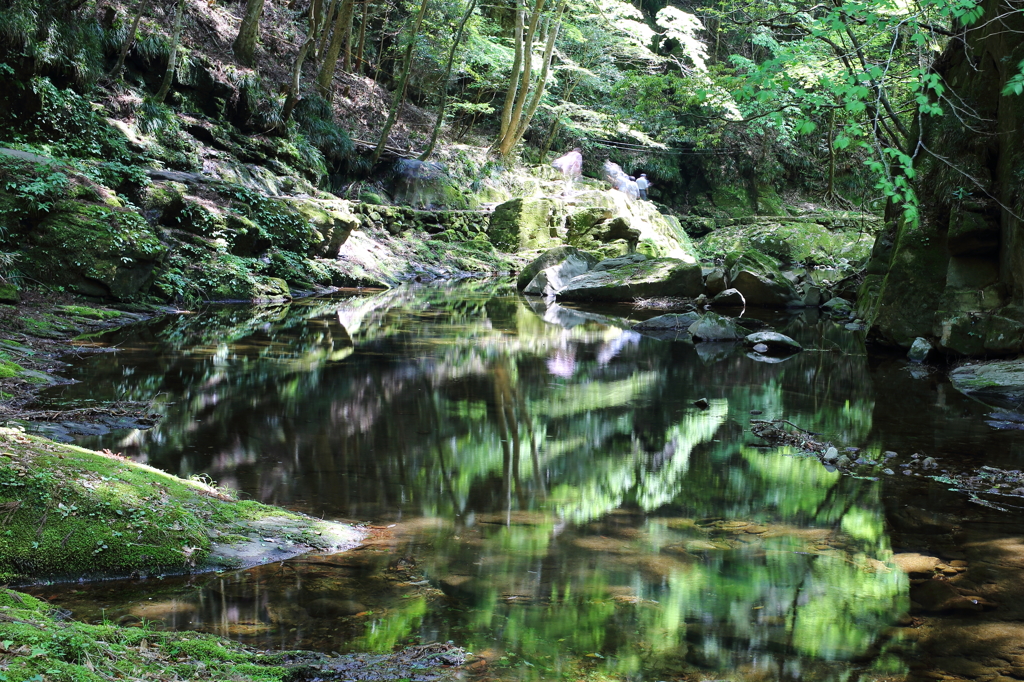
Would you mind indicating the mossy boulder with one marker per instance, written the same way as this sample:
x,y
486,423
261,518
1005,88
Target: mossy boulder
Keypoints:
x,y
757,276
645,278
522,224
333,219
93,249
792,241
714,327
552,257
9,293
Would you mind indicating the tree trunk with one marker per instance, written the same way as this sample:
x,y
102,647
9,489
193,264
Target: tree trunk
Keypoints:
x,y
523,87
513,79
521,121
245,43
346,59
315,21
330,64
172,58
128,42
362,37
328,22
399,98
444,82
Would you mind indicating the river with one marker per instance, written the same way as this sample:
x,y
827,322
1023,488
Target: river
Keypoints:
x,y
540,488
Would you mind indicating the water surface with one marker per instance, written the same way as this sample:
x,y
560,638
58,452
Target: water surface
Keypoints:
x,y
540,486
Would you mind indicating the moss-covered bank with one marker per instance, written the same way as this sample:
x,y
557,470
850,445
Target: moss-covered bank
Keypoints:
x,y
68,513
37,643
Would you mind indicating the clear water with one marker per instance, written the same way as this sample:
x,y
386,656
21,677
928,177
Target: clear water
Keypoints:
x,y
540,487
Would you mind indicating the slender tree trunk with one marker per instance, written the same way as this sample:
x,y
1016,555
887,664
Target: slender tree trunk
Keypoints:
x,y
520,121
444,82
330,64
513,79
399,98
523,88
328,22
346,59
172,58
315,20
128,42
245,43
362,37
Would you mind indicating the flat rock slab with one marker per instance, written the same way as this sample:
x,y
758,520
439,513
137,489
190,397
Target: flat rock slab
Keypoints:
x,y
277,538
652,277
712,327
1000,384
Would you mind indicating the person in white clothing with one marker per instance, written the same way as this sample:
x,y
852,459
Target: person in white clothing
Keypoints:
x,y
642,184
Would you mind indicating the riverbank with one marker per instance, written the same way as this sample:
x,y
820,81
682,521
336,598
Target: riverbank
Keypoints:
x,y
39,641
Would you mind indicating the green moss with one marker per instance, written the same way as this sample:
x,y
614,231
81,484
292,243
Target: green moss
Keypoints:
x,y
90,313
71,512
9,369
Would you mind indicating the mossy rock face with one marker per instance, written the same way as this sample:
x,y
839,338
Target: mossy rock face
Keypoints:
x,y
733,201
809,243
650,277
94,250
332,219
913,286
768,200
9,293
522,224
757,276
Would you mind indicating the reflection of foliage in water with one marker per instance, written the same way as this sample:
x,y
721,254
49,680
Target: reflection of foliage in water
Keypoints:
x,y
465,405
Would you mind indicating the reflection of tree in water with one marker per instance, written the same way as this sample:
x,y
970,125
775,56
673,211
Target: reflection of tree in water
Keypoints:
x,y
591,501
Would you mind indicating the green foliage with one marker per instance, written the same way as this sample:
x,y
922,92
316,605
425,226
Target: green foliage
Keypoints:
x,y
54,39
315,119
64,124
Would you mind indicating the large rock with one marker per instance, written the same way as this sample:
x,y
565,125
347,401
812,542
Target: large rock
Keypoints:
x,y
652,277
551,257
609,216
758,277
670,321
713,327
333,220
1000,384
811,240
93,249
775,342
551,280
522,224
730,298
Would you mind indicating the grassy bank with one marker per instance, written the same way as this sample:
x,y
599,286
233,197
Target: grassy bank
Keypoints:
x,y
37,644
68,513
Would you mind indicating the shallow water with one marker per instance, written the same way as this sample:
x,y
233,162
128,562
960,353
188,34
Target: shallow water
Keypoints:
x,y
540,487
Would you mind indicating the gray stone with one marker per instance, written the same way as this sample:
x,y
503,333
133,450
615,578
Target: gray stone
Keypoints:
x,y
919,349
730,298
837,306
652,277
1000,384
760,348
613,263
812,295
712,327
716,282
550,281
680,321
776,342
760,290
830,455
552,257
